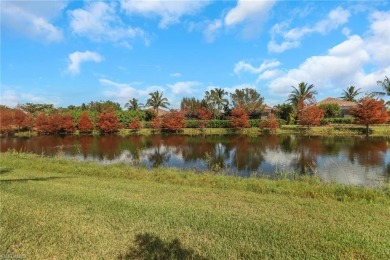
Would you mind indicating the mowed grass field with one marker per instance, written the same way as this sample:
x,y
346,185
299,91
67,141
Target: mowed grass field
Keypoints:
x,y
53,208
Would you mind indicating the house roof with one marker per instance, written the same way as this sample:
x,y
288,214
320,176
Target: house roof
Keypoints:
x,y
266,107
161,112
340,102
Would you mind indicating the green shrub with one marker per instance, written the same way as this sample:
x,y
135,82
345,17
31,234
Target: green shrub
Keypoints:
x,y
342,120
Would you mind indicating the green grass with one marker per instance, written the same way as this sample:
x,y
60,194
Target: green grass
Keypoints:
x,y
60,209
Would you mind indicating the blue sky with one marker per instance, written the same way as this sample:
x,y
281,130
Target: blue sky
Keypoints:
x,y
70,52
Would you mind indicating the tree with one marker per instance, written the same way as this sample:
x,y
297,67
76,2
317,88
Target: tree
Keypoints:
x,y
350,94
370,111
301,96
22,119
6,120
205,116
285,112
85,123
311,115
100,106
249,99
190,107
42,124
37,108
239,118
156,123
271,123
385,84
133,105
67,124
330,110
174,120
156,100
216,100
108,122
135,124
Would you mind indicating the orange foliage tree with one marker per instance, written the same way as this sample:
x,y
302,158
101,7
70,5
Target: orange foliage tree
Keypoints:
x,y
66,123
108,122
156,123
271,123
5,121
22,120
370,111
174,120
311,115
85,123
135,124
205,116
239,118
42,124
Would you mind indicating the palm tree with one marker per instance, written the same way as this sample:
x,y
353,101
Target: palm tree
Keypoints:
x,y
133,104
385,84
300,95
156,100
350,93
215,98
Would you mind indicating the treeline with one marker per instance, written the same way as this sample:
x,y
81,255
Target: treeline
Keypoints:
x,y
218,108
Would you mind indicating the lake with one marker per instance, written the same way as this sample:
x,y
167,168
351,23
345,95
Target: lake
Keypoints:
x,y
346,160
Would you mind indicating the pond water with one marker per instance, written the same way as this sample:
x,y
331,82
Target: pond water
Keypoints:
x,y
346,160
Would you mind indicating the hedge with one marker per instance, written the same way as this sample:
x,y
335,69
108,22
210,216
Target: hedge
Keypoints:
x,y
338,120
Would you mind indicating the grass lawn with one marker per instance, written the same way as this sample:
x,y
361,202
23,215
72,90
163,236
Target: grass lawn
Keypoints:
x,y
61,209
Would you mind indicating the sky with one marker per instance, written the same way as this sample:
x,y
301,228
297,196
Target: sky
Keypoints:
x,y
73,52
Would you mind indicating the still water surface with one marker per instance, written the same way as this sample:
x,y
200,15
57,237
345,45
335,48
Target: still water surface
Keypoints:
x,y
347,160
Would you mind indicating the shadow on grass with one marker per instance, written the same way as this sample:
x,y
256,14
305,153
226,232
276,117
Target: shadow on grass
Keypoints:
x,y
5,170
32,179
149,246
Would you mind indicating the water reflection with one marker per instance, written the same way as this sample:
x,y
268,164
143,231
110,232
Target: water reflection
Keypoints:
x,y
342,159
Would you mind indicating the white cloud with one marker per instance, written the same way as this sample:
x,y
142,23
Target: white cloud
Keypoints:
x,y
291,38
247,10
170,12
122,92
243,66
269,74
183,87
175,75
10,97
356,61
76,58
99,21
212,29
32,18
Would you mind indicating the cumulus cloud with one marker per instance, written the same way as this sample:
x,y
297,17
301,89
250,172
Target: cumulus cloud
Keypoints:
x,y
33,18
291,38
355,61
76,58
243,66
212,29
10,97
170,12
247,10
122,92
99,21
183,87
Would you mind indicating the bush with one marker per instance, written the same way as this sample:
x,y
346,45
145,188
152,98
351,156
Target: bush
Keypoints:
x,y
339,120
330,110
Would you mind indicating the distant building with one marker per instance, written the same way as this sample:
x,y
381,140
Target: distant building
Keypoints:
x,y
344,105
161,112
266,111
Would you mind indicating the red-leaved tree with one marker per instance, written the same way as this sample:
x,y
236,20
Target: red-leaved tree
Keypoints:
x,y
85,123
370,111
135,124
6,121
271,123
42,124
239,118
22,120
311,115
156,123
67,124
205,116
108,122
174,120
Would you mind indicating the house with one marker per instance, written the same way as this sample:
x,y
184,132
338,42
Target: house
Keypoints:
x,y
344,105
161,112
266,111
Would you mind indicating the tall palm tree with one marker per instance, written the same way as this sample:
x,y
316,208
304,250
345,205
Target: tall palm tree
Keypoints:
x,y
385,84
133,104
156,100
350,93
216,99
300,95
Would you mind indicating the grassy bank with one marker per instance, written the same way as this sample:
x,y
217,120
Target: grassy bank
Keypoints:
x,y
54,208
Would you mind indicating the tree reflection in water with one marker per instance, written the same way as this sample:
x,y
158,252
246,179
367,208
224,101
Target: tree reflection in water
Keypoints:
x,y
368,152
